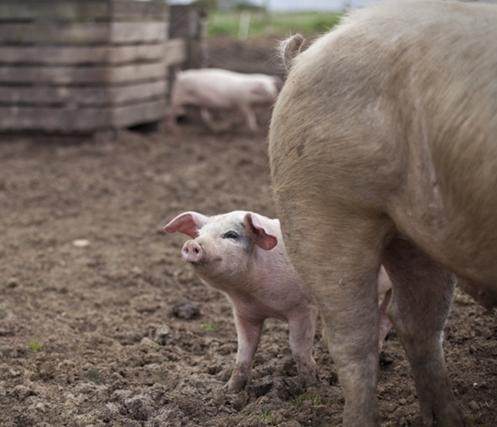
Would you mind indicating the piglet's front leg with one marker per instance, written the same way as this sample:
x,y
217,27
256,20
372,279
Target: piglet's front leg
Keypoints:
x,y
211,124
249,333
250,117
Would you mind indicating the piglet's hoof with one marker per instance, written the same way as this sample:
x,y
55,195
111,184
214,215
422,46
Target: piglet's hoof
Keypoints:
x,y
236,383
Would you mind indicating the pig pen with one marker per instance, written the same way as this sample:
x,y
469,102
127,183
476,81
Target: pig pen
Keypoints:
x,y
102,323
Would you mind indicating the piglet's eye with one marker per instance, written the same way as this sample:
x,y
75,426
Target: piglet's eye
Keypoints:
x,y
231,235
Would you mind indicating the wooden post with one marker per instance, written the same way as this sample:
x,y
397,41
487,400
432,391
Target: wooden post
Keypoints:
x,y
189,23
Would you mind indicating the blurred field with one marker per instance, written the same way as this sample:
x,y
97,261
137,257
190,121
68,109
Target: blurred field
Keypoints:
x,y
266,24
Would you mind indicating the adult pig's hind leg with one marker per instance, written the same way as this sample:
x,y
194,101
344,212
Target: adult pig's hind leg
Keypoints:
x,y
302,327
338,256
422,294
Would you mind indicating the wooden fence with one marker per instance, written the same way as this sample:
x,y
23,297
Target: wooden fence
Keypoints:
x,y
82,66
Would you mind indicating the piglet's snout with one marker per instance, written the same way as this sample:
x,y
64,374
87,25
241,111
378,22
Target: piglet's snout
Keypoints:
x,y
192,251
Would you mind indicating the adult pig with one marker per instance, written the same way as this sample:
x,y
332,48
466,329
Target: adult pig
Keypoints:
x,y
222,90
243,255
383,150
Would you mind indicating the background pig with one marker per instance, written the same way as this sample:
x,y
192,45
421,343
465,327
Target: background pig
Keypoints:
x,y
222,90
383,151
242,254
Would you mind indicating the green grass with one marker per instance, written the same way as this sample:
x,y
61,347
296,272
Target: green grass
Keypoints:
x,y
209,327
275,24
314,399
266,416
93,374
35,346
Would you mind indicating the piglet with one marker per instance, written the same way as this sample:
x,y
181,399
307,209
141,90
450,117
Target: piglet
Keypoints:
x,y
242,254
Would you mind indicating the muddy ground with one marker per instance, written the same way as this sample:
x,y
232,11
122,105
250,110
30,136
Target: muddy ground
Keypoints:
x,y
102,324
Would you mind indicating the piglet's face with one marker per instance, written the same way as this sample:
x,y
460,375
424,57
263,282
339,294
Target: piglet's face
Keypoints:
x,y
222,247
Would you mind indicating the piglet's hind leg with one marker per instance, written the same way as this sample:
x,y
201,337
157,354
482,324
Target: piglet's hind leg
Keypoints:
x,y
385,322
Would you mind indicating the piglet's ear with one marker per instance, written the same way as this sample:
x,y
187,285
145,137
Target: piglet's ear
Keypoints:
x,y
258,229
187,223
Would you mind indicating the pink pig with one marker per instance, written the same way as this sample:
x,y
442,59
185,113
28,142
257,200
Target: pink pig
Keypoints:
x,y
242,254
214,89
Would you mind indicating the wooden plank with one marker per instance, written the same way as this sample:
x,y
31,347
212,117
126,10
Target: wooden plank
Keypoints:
x,y
53,119
74,55
150,10
79,120
81,96
175,51
125,32
86,10
68,34
28,10
81,74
